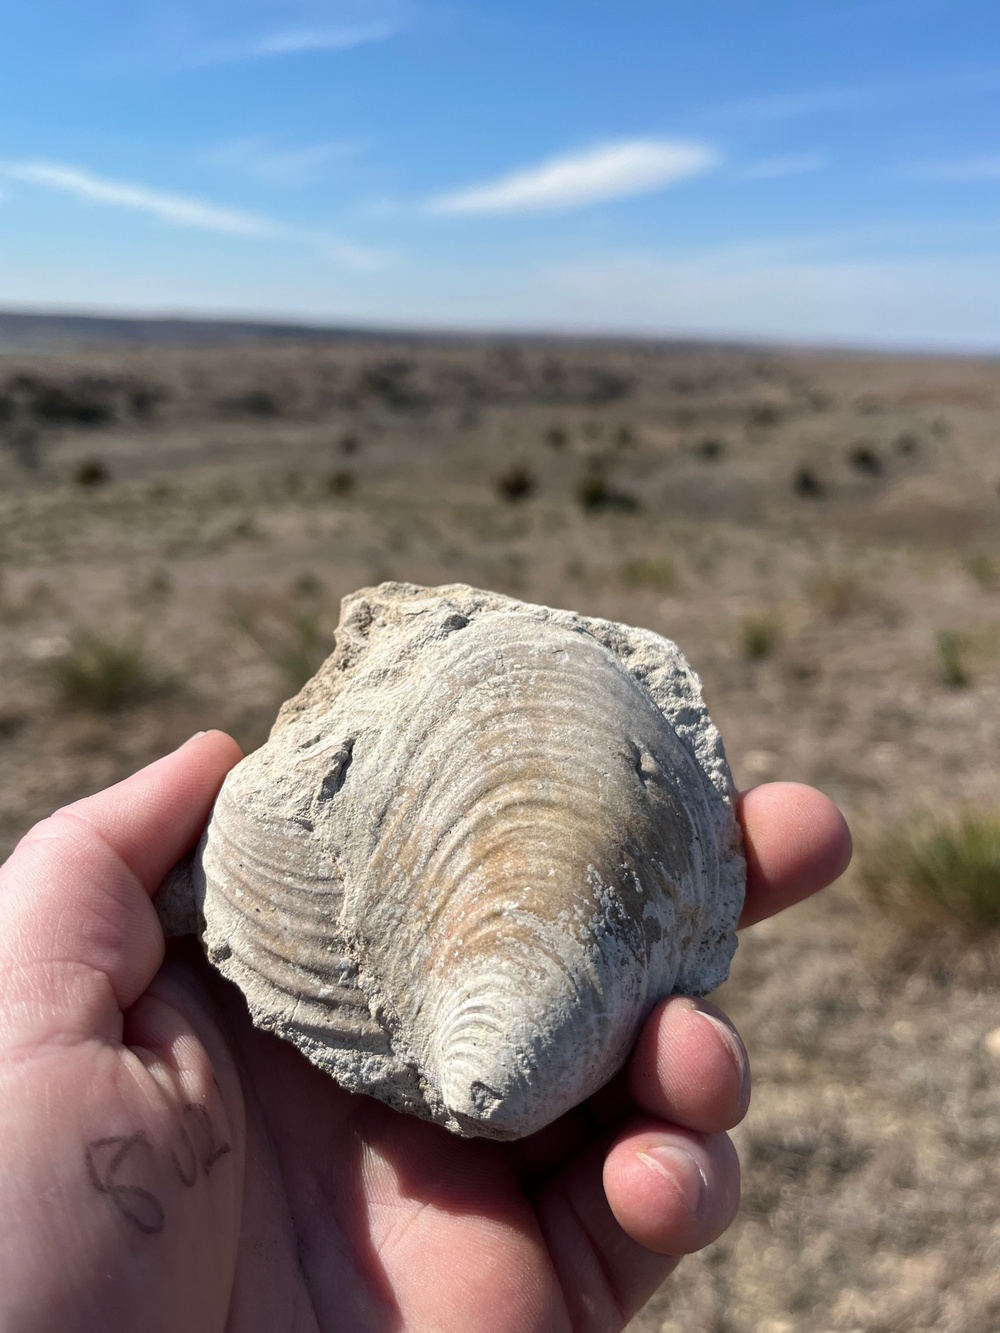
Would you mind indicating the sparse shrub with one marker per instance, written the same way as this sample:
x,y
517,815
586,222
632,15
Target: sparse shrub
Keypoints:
x,y
104,673
556,437
389,381
294,639
157,586
509,361
341,482
907,444
836,592
256,403
11,724
91,472
25,445
553,376
143,401
7,408
952,651
349,444
934,876
247,529
820,400
869,405
307,584
593,494
758,636
863,458
710,449
808,484
982,568
71,405
762,416
604,386
648,572
515,484
624,437
940,428
305,649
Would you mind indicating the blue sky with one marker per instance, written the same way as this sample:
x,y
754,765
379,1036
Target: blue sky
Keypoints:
x,y
819,170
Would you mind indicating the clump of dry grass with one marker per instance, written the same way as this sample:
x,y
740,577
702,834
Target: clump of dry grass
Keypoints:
x,y
103,673
952,664
938,880
983,568
807,483
295,638
341,483
594,494
516,483
864,458
648,572
78,404
758,636
763,416
91,472
836,592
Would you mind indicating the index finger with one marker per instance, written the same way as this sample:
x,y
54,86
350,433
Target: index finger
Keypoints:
x,y
795,841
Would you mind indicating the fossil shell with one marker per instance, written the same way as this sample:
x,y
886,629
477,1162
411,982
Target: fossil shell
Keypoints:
x,y
477,848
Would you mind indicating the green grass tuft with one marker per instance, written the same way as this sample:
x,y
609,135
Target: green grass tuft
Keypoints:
x,y
952,651
104,673
939,875
295,639
648,572
758,636
983,569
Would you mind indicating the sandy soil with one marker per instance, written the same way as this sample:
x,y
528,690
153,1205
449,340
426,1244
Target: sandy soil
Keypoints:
x,y
806,526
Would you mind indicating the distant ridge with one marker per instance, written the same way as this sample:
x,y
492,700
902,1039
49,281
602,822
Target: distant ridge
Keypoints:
x,y
50,333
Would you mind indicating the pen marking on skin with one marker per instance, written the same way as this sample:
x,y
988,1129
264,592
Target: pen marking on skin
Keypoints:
x,y
211,1149
106,1160
112,1163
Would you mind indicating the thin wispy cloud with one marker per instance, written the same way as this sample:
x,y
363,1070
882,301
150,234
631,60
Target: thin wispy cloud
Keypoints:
x,y
182,211
261,159
177,210
985,168
299,41
775,168
289,28
606,171
821,101
358,258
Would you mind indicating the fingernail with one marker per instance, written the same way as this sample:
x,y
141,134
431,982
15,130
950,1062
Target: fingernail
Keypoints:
x,y
194,738
734,1047
677,1166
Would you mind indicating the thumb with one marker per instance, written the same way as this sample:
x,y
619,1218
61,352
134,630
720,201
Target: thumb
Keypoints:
x,y
79,939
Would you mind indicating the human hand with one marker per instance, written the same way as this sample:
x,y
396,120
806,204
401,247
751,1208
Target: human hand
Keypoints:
x,y
167,1166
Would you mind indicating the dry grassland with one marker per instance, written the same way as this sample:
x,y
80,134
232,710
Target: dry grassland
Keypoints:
x,y
820,533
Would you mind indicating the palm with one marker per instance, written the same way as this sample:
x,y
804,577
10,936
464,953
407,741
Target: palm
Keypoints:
x,y
166,1165
367,1219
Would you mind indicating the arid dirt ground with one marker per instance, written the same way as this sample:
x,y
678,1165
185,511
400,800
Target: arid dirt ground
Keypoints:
x,y
819,532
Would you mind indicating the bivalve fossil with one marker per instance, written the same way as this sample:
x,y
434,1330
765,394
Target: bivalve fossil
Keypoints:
x,y
478,847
